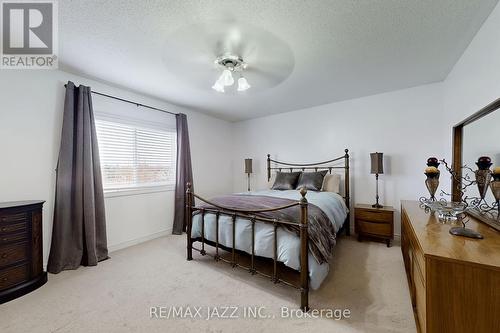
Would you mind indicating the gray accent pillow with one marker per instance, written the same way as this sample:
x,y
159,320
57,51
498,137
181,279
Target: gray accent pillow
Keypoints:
x,y
285,180
311,180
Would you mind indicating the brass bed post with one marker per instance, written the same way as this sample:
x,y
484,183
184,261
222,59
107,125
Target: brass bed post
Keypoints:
x,y
304,253
268,167
347,194
189,221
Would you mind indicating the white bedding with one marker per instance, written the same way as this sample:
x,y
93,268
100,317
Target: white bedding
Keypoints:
x,y
332,204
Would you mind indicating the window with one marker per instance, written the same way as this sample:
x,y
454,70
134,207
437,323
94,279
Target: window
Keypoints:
x,y
135,155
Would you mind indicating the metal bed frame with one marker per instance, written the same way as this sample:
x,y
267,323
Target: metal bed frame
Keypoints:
x,y
253,215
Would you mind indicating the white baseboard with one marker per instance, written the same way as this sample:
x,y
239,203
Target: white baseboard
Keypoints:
x,y
132,242
135,241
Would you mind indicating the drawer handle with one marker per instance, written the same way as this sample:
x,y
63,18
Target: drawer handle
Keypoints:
x,y
4,279
4,229
4,255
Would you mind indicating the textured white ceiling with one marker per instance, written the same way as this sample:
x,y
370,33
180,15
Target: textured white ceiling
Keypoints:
x,y
340,49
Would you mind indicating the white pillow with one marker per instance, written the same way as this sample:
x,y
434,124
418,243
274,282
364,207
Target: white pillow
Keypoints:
x,y
331,183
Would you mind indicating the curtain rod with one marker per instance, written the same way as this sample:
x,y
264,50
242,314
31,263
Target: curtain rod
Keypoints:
x,y
131,102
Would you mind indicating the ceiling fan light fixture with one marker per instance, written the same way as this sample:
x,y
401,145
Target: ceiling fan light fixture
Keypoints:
x,y
218,86
243,84
226,78
230,64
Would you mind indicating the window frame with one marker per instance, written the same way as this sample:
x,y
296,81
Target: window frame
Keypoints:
x,y
144,124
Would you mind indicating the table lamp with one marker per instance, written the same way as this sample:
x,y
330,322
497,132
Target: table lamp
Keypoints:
x,y
248,170
377,167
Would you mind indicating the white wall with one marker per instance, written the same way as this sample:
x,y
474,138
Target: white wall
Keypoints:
x,y
30,127
474,81
405,125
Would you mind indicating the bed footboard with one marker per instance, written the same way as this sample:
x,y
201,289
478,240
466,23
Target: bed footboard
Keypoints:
x,y
253,216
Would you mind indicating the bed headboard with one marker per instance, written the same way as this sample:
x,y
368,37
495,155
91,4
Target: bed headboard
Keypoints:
x,y
341,162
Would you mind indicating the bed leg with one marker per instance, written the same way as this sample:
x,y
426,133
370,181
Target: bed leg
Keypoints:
x,y
189,252
348,225
304,300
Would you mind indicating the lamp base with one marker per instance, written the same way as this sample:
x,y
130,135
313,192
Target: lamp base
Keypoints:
x,y
248,181
377,205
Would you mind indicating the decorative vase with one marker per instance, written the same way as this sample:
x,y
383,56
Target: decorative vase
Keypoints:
x,y
483,178
432,184
484,163
433,161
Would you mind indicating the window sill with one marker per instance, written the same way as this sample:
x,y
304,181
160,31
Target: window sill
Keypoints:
x,y
138,191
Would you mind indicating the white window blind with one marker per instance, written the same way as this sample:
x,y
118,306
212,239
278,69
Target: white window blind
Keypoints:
x,y
135,156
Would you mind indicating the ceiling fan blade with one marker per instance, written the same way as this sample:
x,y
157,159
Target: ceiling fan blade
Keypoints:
x,y
255,76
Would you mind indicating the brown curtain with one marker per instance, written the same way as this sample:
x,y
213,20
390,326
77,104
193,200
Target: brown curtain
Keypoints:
x,y
184,174
79,228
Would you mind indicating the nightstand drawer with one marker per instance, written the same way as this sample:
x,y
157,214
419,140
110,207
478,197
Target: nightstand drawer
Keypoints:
x,y
374,215
374,228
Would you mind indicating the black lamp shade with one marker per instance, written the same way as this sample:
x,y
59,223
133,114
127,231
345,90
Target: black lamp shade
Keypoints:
x,y
377,160
248,165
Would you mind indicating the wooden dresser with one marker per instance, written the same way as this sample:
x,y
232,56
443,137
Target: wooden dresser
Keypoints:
x,y
21,251
454,281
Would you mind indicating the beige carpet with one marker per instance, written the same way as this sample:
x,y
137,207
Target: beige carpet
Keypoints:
x,y
366,278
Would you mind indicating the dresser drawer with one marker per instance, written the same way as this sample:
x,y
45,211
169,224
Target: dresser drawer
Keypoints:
x,y
10,238
10,254
419,259
420,300
374,228
13,227
11,276
374,215
13,218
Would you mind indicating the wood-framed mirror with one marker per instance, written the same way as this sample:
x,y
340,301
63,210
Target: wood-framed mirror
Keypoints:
x,y
475,137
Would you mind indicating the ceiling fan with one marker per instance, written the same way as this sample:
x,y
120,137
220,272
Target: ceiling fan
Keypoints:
x,y
231,64
227,52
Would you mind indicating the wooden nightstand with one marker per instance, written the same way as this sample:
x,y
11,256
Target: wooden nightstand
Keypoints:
x,y
374,222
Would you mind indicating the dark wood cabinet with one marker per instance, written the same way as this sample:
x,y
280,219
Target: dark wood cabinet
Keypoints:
x,y
21,249
374,222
